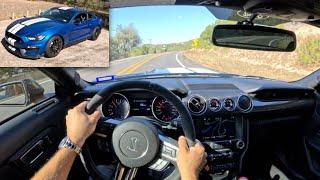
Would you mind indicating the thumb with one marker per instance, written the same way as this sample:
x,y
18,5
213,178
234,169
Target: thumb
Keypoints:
x,y
182,143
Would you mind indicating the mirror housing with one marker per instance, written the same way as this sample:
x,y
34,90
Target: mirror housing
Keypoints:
x,y
20,93
13,93
254,37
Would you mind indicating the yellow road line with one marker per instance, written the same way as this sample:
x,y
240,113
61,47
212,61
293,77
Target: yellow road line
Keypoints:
x,y
130,69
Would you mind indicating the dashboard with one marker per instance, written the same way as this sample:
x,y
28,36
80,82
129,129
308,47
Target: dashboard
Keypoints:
x,y
222,110
121,105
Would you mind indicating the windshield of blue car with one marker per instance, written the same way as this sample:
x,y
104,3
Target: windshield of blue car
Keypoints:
x,y
58,15
178,39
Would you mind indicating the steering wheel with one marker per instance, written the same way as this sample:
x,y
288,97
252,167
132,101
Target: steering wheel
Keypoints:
x,y
136,142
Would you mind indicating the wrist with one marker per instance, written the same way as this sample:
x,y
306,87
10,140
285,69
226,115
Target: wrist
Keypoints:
x,y
77,141
66,143
189,176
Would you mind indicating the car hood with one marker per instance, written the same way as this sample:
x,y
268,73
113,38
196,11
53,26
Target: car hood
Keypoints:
x,y
33,26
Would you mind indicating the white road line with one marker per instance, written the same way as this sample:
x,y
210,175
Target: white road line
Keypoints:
x,y
45,81
178,61
270,43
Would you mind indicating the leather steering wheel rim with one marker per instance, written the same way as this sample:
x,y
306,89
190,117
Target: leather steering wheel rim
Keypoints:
x,y
104,95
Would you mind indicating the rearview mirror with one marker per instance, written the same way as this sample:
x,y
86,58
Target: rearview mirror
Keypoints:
x,y
254,37
13,94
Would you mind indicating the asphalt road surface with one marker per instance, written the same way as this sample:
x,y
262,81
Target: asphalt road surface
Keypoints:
x,y
139,64
85,54
9,110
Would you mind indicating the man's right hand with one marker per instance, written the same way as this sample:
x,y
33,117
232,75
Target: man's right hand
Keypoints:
x,y
191,160
80,125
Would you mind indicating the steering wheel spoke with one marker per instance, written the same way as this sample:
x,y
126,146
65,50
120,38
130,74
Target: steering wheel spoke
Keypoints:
x,y
106,126
125,173
168,149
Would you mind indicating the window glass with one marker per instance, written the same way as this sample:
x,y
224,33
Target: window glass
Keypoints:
x,y
22,88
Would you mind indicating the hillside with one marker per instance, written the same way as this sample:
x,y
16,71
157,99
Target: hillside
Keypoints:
x,y
287,66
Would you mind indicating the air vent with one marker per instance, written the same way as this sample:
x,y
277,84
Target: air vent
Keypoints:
x,y
229,104
244,103
282,94
197,105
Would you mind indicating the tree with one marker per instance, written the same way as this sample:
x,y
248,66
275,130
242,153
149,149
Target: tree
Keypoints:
x,y
124,40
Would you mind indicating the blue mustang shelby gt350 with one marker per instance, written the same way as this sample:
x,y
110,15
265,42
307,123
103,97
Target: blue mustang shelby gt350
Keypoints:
x,y
47,34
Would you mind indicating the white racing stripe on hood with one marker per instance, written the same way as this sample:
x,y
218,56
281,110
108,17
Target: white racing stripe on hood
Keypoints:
x,y
33,21
65,8
18,27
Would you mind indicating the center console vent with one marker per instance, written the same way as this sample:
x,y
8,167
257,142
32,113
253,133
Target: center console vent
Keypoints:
x,y
197,105
282,94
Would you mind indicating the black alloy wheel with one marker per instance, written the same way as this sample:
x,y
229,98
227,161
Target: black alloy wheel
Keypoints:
x,y
54,46
96,33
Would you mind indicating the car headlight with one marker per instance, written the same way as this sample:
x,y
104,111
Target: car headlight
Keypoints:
x,y
36,38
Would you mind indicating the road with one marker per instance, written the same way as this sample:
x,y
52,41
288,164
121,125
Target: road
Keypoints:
x,y
173,62
7,111
84,54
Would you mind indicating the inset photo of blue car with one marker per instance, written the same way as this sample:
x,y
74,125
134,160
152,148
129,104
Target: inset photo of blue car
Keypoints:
x,y
50,32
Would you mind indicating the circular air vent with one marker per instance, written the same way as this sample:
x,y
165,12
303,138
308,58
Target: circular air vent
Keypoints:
x,y
197,105
229,104
244,103
215,104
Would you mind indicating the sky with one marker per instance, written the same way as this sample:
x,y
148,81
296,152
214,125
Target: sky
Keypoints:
x,y
163,24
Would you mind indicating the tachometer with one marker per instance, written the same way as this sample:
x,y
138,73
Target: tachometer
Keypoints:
x,y
117,107
163,110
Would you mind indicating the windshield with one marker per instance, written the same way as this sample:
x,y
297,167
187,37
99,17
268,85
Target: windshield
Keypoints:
x,y
58,14
178,39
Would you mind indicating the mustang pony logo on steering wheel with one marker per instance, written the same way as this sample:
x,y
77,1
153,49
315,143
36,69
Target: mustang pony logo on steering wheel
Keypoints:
x,y
133,145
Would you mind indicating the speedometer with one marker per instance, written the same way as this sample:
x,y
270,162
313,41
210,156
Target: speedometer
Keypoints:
x,y
163,110
117,107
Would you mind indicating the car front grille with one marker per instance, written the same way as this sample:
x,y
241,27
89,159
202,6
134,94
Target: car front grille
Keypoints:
x,y
13,36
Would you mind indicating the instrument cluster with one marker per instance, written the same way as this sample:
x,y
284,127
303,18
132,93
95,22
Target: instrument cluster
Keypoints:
x,y
120,107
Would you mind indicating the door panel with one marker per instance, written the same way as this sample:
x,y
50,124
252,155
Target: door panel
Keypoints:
x,y
31,138
79,32
312,142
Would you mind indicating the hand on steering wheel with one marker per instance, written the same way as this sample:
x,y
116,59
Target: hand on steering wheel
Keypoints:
x,y
190,160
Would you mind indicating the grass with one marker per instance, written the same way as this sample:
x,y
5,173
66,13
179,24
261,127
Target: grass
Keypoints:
x,y
309,51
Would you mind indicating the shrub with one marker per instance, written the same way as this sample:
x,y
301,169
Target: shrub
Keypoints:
x,y
309,51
